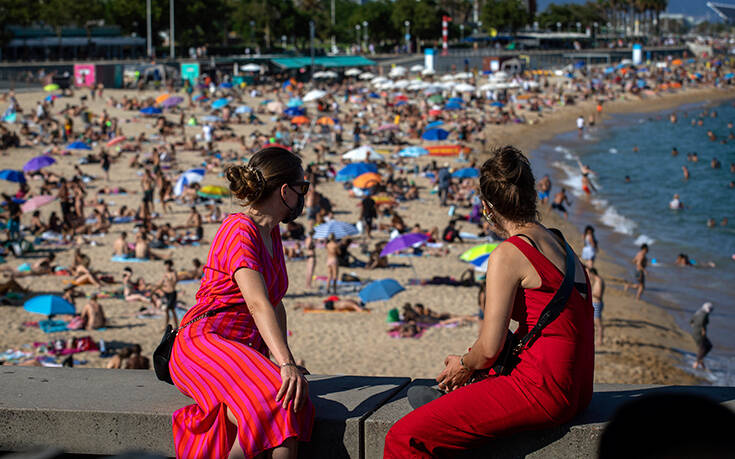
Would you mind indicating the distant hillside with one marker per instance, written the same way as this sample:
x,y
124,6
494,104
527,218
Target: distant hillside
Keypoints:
x,y
696,8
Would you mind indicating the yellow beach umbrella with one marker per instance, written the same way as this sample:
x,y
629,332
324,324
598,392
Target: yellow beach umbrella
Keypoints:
x,y
51,87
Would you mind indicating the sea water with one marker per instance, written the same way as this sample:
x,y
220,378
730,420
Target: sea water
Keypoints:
x,y
628,214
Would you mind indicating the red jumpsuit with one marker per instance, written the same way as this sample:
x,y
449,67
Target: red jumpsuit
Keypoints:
x,y
550,385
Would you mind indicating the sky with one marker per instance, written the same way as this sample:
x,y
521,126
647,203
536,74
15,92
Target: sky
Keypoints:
x,y
696,8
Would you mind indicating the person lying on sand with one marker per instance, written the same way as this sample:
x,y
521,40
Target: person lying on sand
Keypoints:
x,y
39,268
334,303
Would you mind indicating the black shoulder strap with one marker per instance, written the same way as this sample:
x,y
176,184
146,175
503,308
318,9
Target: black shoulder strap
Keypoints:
x,y
555,306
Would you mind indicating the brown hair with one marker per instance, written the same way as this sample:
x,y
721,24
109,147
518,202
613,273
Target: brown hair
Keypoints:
x,y
507,183
266,172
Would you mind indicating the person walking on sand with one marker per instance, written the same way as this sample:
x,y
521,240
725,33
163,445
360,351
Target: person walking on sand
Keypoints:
x,y
558,203
168,288
332,263
589,251
250,395
580,125
146,184
368,213
310,251
640,261
598,290
699,322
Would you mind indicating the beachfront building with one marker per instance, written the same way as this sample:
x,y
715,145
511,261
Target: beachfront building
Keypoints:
x,y
43,43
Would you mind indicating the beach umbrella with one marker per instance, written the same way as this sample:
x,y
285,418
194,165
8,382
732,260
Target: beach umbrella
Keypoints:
x,y
51,87
151,111
427,72
467,172
417,68
366,76
380,290
250,68
172,102
435,134
187,178
243,109
497,104
464,87
36,202
299,120
314,94
219,103
213,191
116,140
453,106
463,76
49,305
319,75
354,170
78,145
295,102
367,180
374,95
389,127
436,98
413,152
353,72
499,76
480,263
404,241
362,153
274,106
50,97
325,121
435,124
478,251
200,98
226,85
294,111
338,228
12,176
39,162
162,97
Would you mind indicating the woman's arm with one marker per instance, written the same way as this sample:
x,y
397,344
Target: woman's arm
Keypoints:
x,y
252,287
281,318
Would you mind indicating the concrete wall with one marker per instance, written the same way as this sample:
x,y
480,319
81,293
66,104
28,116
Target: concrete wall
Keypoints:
x,y
105,412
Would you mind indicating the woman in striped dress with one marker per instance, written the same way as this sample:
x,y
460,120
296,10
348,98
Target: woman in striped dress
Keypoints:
x,y
245,403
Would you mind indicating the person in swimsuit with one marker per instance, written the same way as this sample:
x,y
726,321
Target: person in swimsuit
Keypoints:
x,y
332,263
598,289
589,251
130,288
310,250
147,183
559,199
587,185
168,288
552,381
640,261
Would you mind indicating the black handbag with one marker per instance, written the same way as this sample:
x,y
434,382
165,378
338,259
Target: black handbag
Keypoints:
x,y
162,354
508,358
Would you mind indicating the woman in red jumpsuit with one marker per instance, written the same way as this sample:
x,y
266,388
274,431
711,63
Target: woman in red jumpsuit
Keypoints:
x,y
553,380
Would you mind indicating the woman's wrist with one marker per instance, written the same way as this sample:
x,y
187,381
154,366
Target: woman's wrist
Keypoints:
x,y
463,364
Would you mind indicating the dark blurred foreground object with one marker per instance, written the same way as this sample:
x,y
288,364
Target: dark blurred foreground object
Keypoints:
x,y
670,426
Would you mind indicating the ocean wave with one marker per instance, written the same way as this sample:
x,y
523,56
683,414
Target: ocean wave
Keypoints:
x,y
643,239
619,223
572,177
613,151
568,154
599,203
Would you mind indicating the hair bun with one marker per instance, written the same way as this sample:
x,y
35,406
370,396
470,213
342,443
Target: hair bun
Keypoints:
x,y
246,182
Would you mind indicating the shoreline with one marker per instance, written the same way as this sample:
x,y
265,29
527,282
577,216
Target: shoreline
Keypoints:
x,y
652,344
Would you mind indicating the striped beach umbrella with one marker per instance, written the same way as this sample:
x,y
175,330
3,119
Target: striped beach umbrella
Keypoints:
x,y
338,228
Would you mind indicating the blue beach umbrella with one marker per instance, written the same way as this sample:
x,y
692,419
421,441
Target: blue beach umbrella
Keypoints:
x,y
435,124
12,176
295,102
400,103
435,134
453,106
151,111
355,170
380,290
413,152
294,111
78,145
374,95
49,305
187,178
226,85
219,103
480,263
467,172
336,227
458,100
243,109
497,104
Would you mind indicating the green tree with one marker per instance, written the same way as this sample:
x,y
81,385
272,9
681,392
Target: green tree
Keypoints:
x,y
508,15
378,15
425,17
16,13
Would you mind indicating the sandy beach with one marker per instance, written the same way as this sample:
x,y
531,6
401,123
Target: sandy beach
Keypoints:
x,y
642,342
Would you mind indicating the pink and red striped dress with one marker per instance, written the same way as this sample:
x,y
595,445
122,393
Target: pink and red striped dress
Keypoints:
x,y
222,360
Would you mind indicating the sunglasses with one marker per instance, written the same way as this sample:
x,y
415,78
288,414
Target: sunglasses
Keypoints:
x,y
300,187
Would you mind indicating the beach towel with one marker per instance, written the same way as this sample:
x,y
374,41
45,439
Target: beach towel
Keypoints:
x,y
122,259
53,326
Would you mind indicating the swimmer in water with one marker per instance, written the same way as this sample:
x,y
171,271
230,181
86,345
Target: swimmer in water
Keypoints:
x,y
635,149
685,170
674,151
587,185
715,163
627,179
676,204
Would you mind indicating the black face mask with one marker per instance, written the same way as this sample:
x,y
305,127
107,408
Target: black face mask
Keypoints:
x,y
295,212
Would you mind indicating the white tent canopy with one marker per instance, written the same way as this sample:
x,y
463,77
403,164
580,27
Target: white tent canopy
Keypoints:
x,y
363,153
251,68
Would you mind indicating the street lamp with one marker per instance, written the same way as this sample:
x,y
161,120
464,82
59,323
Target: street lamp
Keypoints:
x,y
579,27
408,36
558,26
252,31
357,33
461,32
283,42
365,33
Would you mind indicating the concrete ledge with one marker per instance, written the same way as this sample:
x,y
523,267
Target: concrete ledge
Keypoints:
x,y
97,411
105,412
577,439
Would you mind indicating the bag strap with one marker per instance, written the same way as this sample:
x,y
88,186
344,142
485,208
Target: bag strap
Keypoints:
x,y
209,313
555,306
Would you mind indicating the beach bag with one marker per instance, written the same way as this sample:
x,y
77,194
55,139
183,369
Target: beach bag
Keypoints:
x,y
162,354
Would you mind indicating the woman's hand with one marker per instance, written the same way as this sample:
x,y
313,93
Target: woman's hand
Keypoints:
x,y
294,387
454,374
